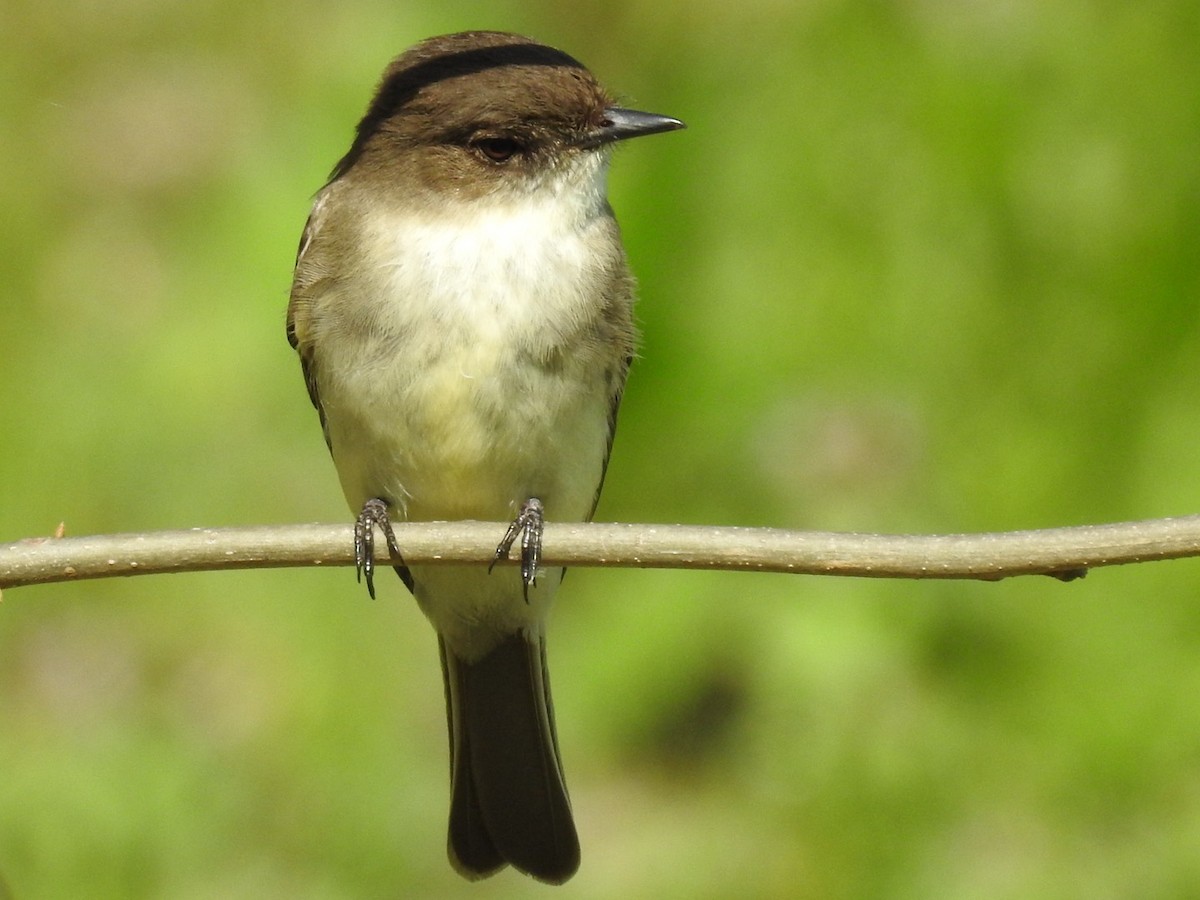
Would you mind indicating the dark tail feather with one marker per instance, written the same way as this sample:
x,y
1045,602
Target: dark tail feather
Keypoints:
x,y
508,800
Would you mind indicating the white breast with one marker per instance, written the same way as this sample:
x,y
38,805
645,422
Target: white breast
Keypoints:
x,y
448,411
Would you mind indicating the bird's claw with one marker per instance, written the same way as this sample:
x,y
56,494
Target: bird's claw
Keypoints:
x,y
528,524
374,512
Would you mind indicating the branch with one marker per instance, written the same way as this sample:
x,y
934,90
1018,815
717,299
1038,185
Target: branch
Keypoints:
x,y
1062,552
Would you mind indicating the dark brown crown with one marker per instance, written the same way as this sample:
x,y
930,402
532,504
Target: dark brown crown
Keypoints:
x,y
447,89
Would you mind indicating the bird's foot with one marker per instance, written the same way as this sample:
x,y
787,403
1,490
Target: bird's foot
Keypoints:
x,y
374,512
528,524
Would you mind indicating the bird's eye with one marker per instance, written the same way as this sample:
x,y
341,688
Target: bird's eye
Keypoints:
x,y
498,149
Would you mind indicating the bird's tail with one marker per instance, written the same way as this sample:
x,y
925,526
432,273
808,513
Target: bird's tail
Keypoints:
x,y
508,799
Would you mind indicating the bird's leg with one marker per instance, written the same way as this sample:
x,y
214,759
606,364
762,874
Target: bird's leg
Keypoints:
x,y
374,512
528,524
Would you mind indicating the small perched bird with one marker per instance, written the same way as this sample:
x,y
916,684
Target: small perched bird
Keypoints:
x,y
462,308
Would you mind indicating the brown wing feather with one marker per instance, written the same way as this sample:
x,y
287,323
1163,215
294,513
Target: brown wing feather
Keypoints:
x,y
299,309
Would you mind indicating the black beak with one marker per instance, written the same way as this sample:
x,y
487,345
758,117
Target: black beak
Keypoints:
x,y
620,124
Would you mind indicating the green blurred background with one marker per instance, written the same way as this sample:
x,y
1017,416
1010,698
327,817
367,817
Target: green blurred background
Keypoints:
x,y
923,266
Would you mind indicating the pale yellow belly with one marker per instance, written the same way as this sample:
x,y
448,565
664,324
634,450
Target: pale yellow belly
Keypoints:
x,y
472,437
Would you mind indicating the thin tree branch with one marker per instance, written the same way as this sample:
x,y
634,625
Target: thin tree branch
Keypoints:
x,y
1062,552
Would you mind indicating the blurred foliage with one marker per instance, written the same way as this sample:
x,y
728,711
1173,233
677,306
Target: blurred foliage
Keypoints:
x,y
923,266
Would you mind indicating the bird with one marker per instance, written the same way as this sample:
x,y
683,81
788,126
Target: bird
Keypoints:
x,y
463,312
